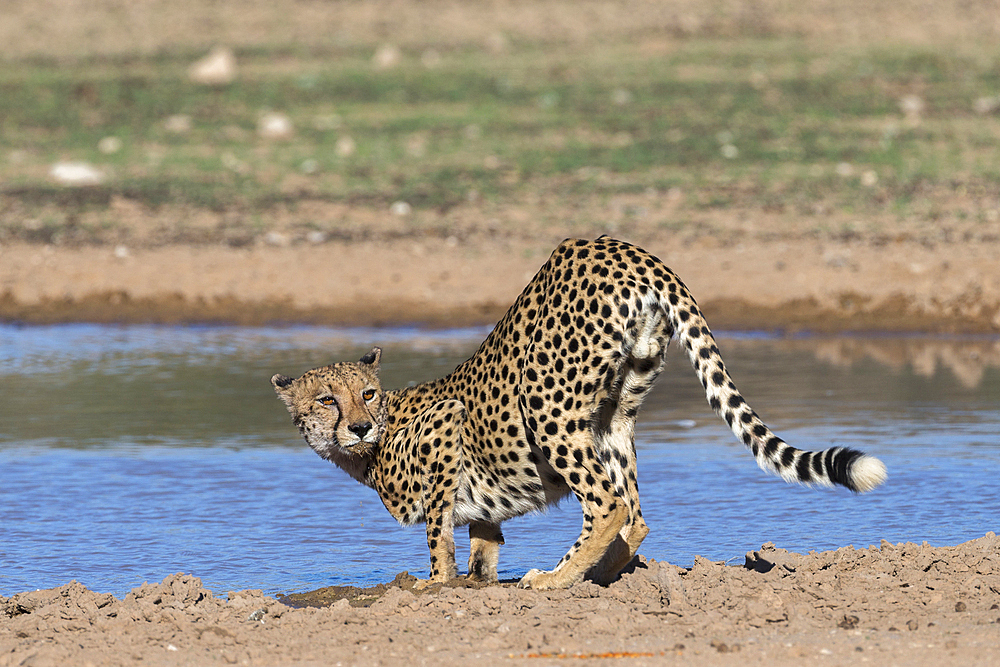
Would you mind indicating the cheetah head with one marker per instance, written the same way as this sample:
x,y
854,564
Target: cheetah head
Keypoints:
x,y
340,409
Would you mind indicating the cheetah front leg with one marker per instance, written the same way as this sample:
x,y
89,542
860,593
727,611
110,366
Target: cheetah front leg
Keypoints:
x,y
440,459
484,550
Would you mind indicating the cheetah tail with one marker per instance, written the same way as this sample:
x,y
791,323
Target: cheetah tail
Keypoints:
x,y
856,470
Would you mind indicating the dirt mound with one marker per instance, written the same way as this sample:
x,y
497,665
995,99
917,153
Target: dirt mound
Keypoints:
x,y
905,603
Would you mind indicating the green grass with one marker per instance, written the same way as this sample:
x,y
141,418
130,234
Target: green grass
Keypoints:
x,y
753,122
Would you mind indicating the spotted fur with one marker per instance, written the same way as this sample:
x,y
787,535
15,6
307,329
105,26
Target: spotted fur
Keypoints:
x,y
545,408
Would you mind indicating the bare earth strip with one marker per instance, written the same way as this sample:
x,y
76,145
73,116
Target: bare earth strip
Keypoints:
x,y
742,283
897,604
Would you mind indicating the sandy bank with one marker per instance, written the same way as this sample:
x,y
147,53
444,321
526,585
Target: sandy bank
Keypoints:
x,y
783,284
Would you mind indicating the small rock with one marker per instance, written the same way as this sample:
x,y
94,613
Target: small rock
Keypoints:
x,y
277,239
218,68
986,105
400,208
960,606
386,56
345,147
275,125
316,237
912,106
76,173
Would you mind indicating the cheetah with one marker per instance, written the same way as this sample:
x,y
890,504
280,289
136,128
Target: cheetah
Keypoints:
x,y
545,408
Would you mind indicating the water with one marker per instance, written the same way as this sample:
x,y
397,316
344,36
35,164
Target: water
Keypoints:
x,y
127,454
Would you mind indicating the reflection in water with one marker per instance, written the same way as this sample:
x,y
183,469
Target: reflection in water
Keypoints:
x,y
967,360
130,453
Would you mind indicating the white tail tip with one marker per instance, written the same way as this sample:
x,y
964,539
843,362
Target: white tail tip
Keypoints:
x,y
867,472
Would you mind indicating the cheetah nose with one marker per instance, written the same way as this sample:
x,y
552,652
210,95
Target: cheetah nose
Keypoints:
x,y
361,429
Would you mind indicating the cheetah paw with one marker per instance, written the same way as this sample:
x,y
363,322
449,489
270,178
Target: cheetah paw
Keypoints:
x,y
539,580
424,584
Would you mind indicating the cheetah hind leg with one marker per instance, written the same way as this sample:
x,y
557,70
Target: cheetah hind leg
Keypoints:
x,y
484,550
620,553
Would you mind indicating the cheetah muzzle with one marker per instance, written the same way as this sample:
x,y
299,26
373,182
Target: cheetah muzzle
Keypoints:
x,y
545,408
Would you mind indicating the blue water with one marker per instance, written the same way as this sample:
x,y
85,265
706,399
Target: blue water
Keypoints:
x,y
131,453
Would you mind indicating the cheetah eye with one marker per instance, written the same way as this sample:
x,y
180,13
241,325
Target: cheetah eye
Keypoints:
x,y
327,400
368,394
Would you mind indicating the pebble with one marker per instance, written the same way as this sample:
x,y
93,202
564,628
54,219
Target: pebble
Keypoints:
x,y
76,173
400,208
386,56
218,68
275,125
344,147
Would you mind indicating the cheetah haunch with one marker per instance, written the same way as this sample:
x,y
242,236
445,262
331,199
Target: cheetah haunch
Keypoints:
x,y
545,408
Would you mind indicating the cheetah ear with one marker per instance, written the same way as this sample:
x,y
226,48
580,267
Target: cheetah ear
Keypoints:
x,y
282,385
373,357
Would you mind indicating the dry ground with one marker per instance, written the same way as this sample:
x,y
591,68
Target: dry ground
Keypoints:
x,y
894,604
